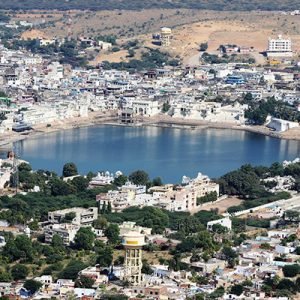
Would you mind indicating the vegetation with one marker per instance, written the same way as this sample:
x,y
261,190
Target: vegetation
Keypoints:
x,y
19,271
210,197
166,107
84,282
23,257
203,47
68,52
138,5
84,239
139,177
246,182
32,285
69,169
151,59
72,269
281,287
215,59
258,111
291,270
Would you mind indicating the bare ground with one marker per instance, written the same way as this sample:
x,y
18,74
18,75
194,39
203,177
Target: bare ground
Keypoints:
x,y
190,28
223,205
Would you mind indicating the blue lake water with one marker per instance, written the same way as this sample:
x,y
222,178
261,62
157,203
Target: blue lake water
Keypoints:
x,y
169,153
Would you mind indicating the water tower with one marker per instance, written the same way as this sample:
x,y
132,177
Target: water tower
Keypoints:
x,y
133,243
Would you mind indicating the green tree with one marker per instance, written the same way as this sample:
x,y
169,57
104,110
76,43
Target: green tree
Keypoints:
x,y
32,285
237,289
150,217
104,254
291,270
69,169
80,183
243,182
19,271
84,282
69,217
84,239
157,181
297,284
112,232
210,197
5,276
20,248
60,188
218,228
230,255
100,223
203,47
292,215
58,243
166,107
146,269
248,98
24,167
218,293
72,269
202,240
109,209
287,285
120,180
139,177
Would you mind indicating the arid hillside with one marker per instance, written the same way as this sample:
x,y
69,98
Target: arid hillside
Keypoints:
x,y
190,28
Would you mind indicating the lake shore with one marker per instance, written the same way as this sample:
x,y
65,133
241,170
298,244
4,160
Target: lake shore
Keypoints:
x,y
164,121
96,118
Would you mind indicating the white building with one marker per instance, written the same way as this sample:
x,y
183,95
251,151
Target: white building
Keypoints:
x,y
165,36
281,125
2,241
94,273
104,45
225,222
102,179
66,231
83,216
279,47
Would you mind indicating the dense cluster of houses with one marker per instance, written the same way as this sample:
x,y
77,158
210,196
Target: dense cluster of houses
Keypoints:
x,y
42,91
259,257
170,197
255,262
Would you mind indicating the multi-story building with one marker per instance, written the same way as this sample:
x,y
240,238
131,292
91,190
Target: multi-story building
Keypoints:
x,y
180,198
279,46
66,231
165,36
83,216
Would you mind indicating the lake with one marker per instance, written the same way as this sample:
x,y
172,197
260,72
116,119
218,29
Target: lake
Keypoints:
x,y
166,152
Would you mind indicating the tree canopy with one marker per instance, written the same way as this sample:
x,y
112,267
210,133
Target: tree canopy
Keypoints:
x,y
139,177
69,169
84,239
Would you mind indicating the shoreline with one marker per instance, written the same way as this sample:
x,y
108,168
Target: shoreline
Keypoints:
x,y
94,119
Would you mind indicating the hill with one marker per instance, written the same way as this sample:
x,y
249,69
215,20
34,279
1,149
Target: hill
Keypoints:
x,y
218,5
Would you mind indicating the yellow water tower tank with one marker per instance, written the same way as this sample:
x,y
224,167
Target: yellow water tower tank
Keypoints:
x,y
133,243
